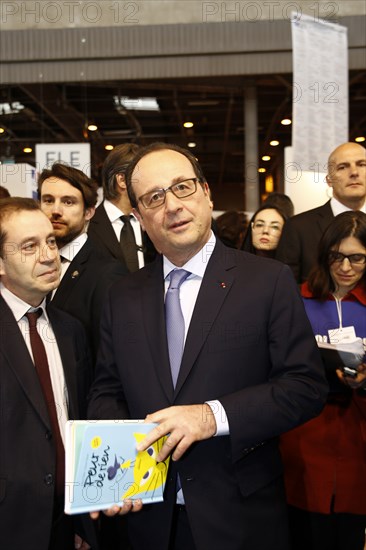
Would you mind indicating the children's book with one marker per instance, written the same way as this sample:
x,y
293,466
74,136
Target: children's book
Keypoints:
x,y
103,467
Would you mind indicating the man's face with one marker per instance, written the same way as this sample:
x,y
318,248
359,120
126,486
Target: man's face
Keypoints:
x,y
179,228
30,266
347,174
63,204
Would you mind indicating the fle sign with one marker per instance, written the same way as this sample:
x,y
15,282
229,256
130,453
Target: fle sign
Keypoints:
x,y
76,155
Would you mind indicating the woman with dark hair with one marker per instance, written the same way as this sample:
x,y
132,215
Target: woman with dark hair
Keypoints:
x,y
325,459
264,231
282,201
231,227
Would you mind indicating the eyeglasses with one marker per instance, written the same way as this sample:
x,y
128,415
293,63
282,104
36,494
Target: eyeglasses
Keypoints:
x,y
258,227
181,190
354,259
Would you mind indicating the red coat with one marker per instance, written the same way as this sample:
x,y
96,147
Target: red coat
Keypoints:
x,y
325,458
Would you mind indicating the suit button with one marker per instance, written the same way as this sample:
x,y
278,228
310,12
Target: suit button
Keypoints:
x,y
48,435
189,478
48,479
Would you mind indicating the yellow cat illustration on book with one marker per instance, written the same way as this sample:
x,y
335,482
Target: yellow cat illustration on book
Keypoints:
x,y
148,474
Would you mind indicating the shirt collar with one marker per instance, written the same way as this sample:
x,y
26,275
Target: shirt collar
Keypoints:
x,y
114,213
357,294
196,265
18,307
70,250
338,208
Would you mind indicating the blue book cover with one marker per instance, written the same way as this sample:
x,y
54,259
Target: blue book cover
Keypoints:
x,y
103,467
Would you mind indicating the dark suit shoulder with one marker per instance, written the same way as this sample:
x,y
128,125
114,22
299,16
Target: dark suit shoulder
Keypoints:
x,y
100,212
324,211
300,237
61,318
96,259
100,216
251,266
141,276
105,262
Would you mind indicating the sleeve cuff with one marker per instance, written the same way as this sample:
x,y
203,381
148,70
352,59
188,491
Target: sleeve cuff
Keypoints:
x,y
222,424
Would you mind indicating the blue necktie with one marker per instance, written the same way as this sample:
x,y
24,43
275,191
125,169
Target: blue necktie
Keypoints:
x,y
175,321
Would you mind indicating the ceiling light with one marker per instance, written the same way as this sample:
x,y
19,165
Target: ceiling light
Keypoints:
x,y
274,142
269,184
261,170
266,158
137,103
360,139
117,133
92,127
2,130
191,144
108,147
27,150
286,121
188,124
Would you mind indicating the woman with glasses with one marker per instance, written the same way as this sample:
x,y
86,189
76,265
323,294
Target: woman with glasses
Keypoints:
x,y
264,231
325,459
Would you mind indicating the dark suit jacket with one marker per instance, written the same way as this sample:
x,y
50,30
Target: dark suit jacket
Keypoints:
x,y
300,238
103,236
249,345
83,288
27,450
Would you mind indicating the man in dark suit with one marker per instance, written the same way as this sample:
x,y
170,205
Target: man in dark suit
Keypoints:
x,y
68,198
32,421
106,226
250,369
301,234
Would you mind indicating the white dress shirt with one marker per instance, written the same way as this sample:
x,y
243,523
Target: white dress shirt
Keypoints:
x,y
19,309
114,214
70,250
188,293
338,208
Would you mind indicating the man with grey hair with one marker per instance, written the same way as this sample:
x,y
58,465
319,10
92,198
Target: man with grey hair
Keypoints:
x,y
213,345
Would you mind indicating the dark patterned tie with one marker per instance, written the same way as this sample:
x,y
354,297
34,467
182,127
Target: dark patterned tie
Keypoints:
x,y
127,242
43,371
175,321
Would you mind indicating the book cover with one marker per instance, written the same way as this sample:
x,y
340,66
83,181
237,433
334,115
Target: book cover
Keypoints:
x,y
103,467
336,356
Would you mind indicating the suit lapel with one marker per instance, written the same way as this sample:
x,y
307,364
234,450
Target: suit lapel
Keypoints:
x,y
148,248
73,273
16,353
66,348
215,287
152,302
106,232
214,290
325,216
